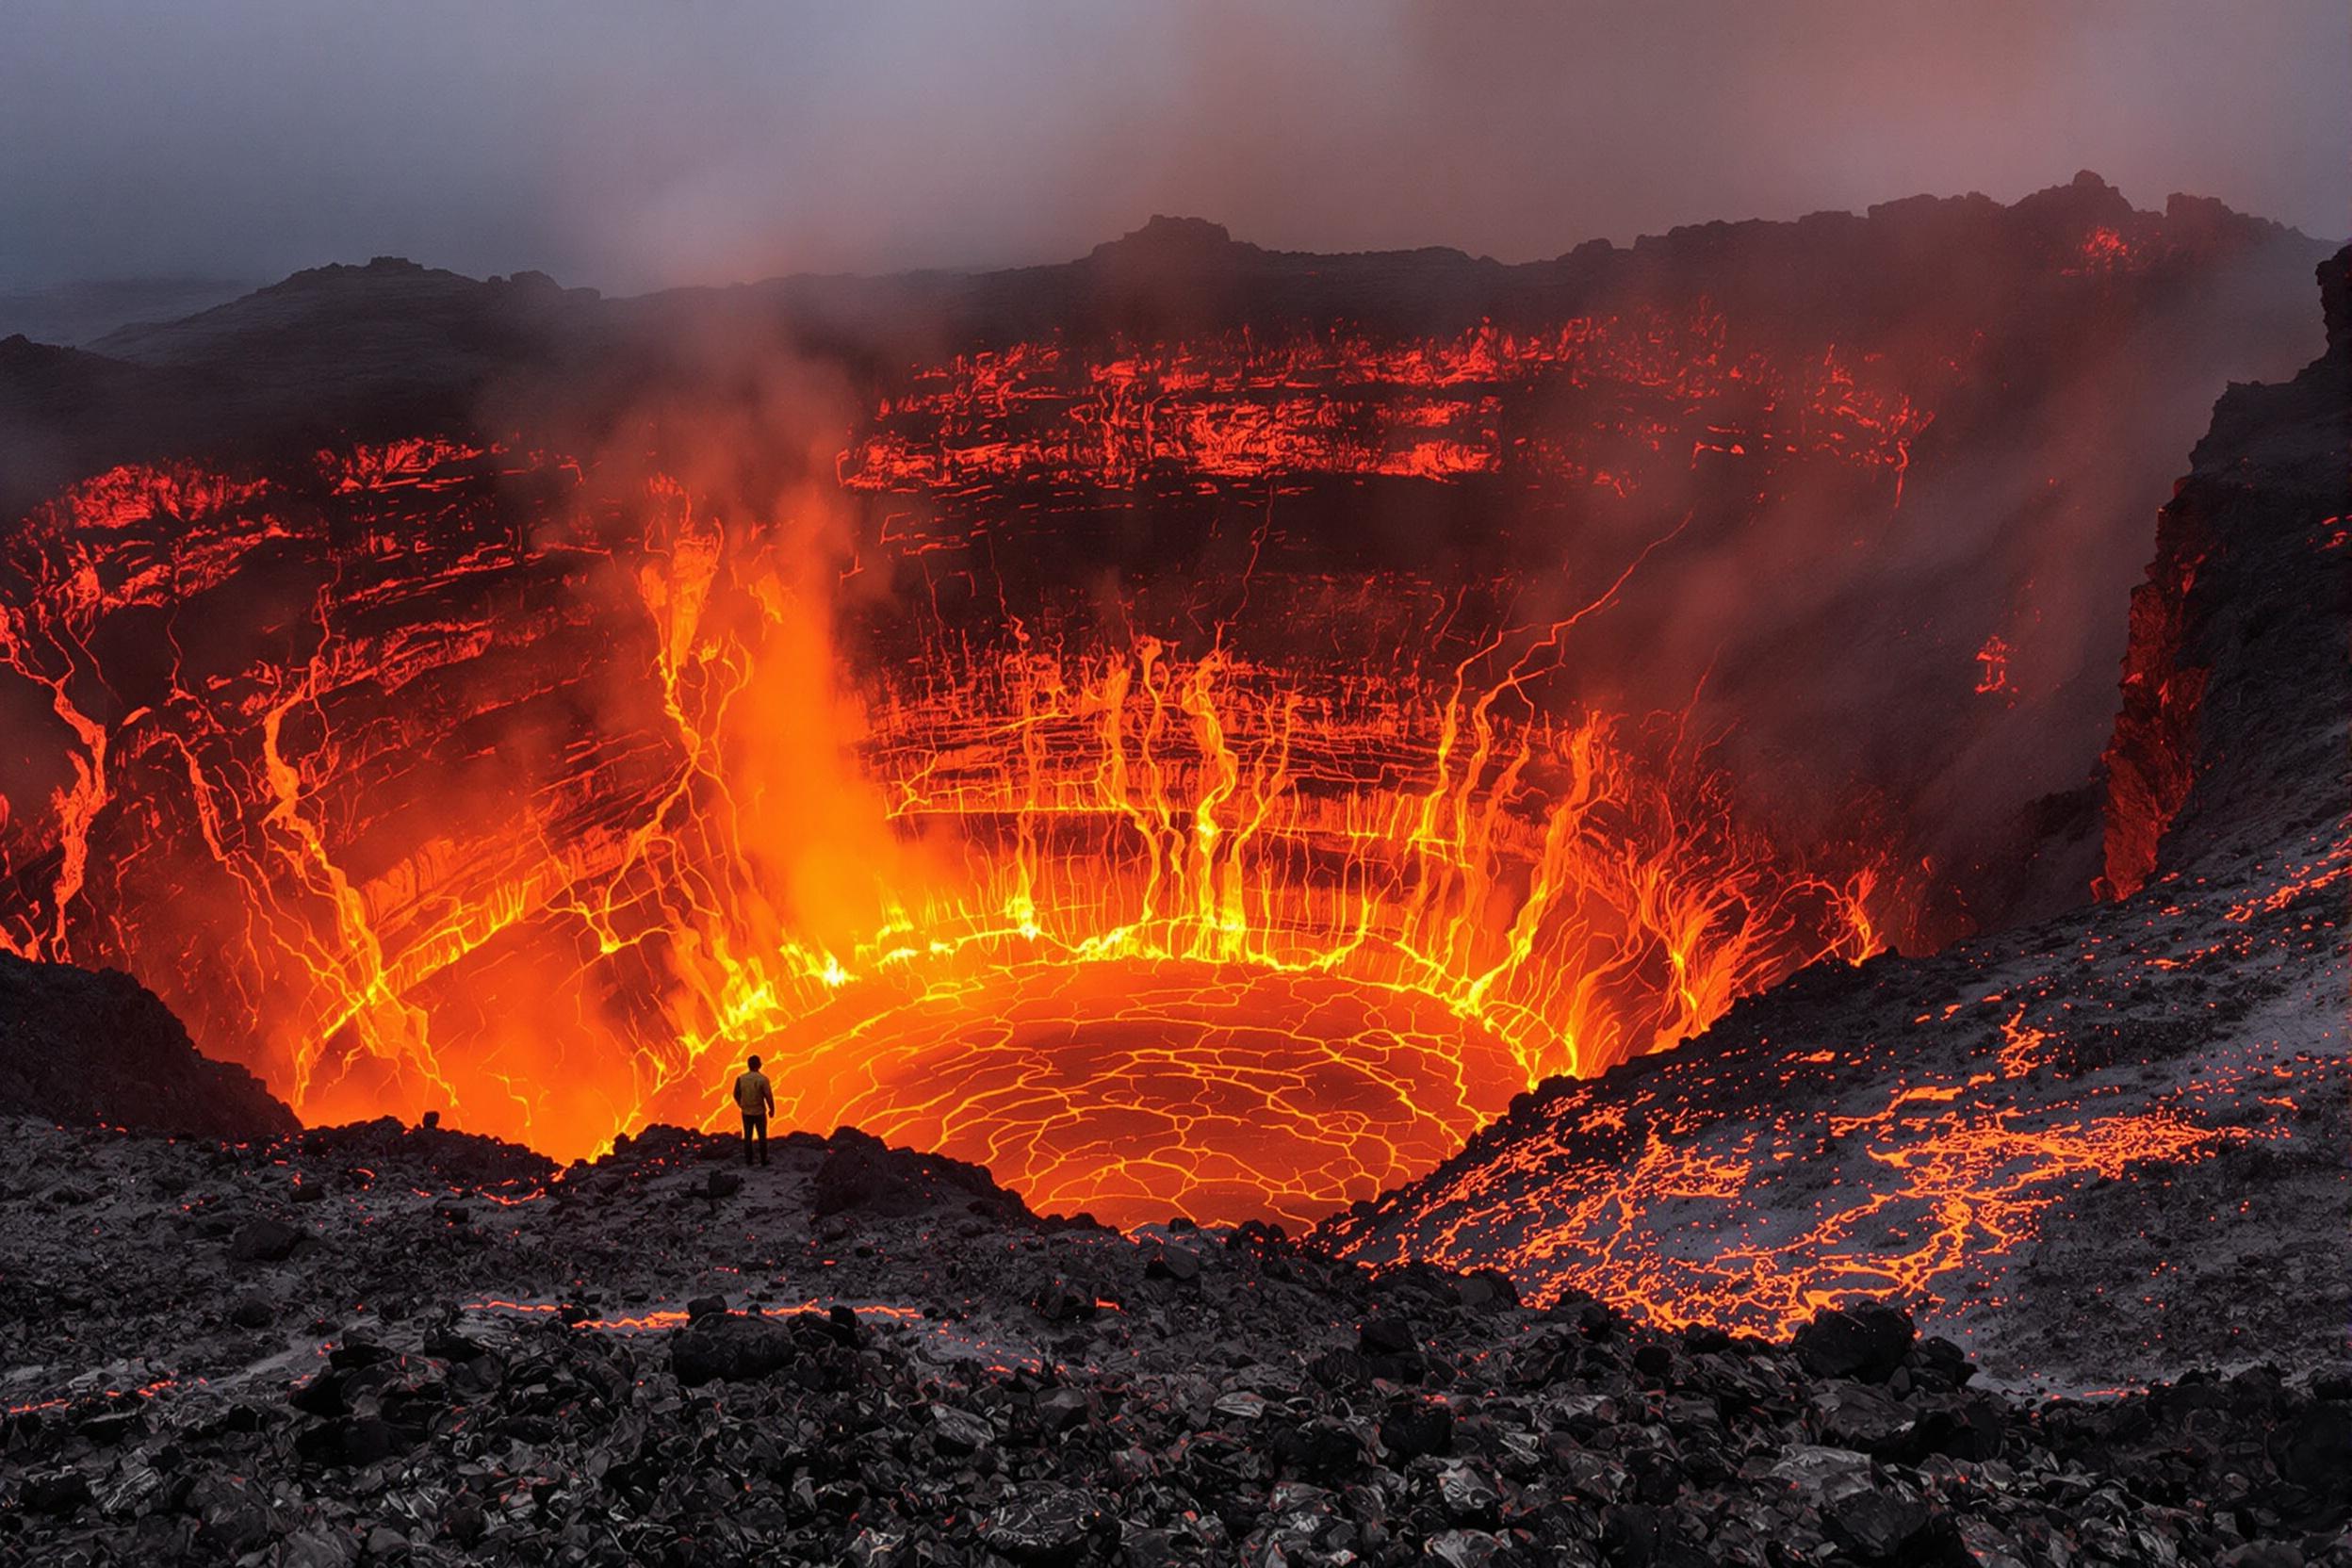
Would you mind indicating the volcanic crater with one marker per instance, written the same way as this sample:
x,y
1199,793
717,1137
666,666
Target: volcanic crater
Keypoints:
x,y
1607,775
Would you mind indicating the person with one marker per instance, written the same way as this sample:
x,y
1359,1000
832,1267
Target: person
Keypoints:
x,y
757,1101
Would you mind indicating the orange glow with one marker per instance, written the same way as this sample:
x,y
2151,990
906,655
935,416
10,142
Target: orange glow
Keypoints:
x,y
1650,385
1993,667
1143,924
2105,250
1972,1167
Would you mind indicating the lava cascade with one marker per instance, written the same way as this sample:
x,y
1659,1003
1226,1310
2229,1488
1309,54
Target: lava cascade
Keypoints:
x,y
1416,890
470,776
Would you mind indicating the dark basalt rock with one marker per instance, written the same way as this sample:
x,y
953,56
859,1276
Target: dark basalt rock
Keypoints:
x,y
1873,1524
1413,1428
265,1240
1181,1264
62,1493
1868,1342
862,1175
1047,1524
731,1348
1385,1337
959,1431
95,1046
1233,1420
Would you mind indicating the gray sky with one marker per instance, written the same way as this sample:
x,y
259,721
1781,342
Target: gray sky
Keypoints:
x,y
633,145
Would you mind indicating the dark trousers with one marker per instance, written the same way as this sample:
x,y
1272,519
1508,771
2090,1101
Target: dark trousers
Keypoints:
x,y
756,1130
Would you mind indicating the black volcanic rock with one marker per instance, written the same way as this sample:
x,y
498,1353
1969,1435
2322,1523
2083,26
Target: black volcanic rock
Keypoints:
x,y
897,1398
861,1175
264,1240
1869,1342
1046,1524
2236,694
730,1347
63,1495
79,1045
1873,1524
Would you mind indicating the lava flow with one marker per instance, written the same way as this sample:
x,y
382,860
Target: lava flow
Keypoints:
x,y
1181,772
1141,925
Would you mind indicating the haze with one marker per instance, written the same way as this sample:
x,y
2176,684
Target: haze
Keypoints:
x,y
634,146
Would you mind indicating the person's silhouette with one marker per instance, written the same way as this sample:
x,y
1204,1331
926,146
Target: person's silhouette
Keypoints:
x,y
757,1101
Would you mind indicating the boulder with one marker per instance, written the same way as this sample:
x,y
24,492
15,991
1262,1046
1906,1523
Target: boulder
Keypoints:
x,y
1875,1525
1868,1342
264,1240
731,1349
1046,1523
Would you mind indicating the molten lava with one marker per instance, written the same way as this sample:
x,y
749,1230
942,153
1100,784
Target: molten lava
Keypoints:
x,y
1143,926
1643,385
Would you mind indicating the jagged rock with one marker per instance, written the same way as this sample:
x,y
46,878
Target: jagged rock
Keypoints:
x,y
1868,1342
84,1046
732,1348
1856,1415
1817,1474
959,1431
1966,1427
1873,1524
464,1520
1241,1425
349,1440
1340,1369
318,1549
265,1240
1056,1302
1488,1287
861,1174
62,1493
1046,1524
1412,1429
1181,1264
1463,1548
1467,1496
1062,1409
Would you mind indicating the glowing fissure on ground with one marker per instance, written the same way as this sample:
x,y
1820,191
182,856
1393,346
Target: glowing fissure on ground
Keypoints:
x,y
1141,925
1676,1195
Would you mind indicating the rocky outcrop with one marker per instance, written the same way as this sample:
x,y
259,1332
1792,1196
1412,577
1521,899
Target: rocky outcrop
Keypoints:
x,y
84,1046
2153,1089
860,1175
2249,599
605,1368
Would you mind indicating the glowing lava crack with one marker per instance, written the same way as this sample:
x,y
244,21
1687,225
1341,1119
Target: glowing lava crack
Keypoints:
x,y
1129,1088
1142,925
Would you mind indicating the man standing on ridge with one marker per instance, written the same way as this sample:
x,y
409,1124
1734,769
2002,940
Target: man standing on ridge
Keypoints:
x,y
757,1101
